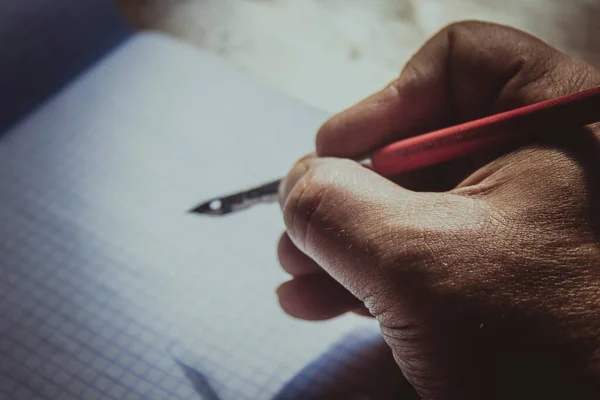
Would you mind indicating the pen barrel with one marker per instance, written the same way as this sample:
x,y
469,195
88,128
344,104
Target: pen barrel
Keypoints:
x,y
502,129
399,159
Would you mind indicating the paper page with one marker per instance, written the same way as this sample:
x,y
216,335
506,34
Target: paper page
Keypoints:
x,y
110,289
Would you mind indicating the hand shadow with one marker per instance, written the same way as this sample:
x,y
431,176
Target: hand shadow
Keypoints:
x,y
360,366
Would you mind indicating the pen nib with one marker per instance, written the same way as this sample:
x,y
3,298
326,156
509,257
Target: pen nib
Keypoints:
x,y
266,193
213,207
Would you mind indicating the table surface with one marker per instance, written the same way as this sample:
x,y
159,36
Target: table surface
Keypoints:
x,y
330,54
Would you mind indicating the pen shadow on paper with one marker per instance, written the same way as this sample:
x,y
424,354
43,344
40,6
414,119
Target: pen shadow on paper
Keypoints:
x,y
360,366
199,382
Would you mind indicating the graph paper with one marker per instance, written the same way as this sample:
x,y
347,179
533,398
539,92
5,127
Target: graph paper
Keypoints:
x,y
109,289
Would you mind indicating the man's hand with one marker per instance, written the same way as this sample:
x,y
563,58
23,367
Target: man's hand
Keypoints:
x,y
484,274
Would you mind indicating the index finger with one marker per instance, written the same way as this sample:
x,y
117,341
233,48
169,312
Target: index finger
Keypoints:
x,y
467,71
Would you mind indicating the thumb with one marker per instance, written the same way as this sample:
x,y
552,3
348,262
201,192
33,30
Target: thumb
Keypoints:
x,y
360,227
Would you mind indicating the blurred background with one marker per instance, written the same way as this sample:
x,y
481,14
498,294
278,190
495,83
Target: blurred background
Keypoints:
x,y
332,53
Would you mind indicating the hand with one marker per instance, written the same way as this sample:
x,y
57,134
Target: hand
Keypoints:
x,y
484,274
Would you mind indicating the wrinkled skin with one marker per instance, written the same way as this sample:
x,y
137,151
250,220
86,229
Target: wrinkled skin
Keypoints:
x,y
484,274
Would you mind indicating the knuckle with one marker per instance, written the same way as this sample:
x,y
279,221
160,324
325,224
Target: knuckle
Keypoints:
x,y
466,28
309,201
459,26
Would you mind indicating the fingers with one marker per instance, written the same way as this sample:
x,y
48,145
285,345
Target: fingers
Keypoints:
x,y
316,297
302,291
362,311
340,215
360,129
465,72
293,261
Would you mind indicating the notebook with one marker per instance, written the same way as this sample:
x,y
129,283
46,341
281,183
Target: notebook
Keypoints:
x,y
109,289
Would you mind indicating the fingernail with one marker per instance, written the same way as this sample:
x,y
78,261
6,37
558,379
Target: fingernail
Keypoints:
x,y
288,183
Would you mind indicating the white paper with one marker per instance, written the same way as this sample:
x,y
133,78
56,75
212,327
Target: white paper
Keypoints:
x,y
107,281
